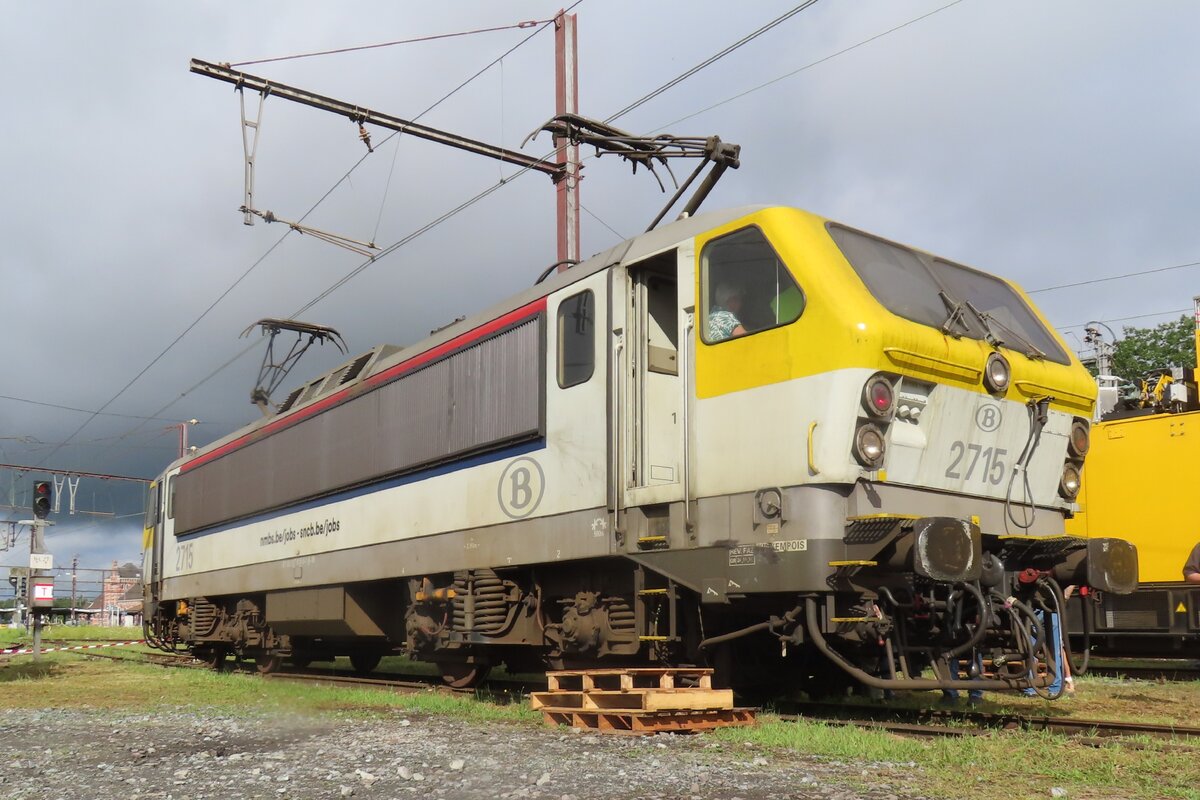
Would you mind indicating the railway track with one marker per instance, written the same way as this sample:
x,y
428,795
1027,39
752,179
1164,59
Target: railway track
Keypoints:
x,y
1157,669
945,722
905,722
494,690
919,722
158,659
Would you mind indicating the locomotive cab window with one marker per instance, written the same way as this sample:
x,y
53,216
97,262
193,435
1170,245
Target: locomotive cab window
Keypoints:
x,y
152,507
941,294
576,339
745,287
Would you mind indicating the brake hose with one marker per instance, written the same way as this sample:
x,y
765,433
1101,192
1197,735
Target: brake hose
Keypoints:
x,y
1041,634
1060,604
1038,415
983,625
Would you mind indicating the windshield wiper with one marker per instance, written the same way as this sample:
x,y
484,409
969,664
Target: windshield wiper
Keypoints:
x,y
955,316
989,335
1031,350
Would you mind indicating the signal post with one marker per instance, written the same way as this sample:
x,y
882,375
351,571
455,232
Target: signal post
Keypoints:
x,y
41,581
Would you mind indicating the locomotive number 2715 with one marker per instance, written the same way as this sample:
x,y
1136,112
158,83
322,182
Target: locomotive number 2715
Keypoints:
x,y
183,557
969,456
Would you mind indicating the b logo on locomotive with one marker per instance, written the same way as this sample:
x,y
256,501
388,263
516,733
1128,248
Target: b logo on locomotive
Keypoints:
x,y
521,487
988,418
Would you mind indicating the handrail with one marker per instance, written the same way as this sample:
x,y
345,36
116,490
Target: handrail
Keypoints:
x,y
812,463
618,432
685,366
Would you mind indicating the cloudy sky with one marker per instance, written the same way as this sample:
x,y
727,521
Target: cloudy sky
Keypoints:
x,y
1051,143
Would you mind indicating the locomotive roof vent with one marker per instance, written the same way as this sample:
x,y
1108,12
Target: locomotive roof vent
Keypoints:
x,y
338,377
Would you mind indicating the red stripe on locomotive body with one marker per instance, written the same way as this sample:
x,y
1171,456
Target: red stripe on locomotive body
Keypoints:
x,y
375,381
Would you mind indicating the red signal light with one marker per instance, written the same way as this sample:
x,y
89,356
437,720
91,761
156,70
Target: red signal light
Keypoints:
x,y
43,493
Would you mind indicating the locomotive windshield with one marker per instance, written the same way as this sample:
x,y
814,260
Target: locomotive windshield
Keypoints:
x,y
944,295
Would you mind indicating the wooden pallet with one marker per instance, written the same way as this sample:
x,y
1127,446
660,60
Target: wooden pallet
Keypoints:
x,y
638,700
648,722
626,679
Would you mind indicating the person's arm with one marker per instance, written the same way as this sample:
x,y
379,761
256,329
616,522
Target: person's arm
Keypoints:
x,y
1191,570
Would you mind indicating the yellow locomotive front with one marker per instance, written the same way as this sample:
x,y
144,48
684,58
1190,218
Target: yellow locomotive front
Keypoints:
x,y
929,430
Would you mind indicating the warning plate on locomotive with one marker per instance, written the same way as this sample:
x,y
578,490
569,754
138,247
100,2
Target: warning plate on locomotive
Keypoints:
x,y
742,555
745,555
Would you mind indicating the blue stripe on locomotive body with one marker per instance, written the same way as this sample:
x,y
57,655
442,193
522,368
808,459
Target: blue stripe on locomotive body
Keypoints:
x,y
361,491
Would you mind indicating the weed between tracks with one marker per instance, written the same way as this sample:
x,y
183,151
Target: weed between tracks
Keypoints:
x,y
1003,764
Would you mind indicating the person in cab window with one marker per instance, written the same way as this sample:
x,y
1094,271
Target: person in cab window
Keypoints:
x,y
723,321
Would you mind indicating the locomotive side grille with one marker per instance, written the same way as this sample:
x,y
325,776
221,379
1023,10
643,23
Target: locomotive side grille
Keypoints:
x,y
481,398
1135,620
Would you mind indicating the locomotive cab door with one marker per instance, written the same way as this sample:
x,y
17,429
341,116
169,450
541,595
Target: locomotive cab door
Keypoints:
x,y
152,545
164,529
653,385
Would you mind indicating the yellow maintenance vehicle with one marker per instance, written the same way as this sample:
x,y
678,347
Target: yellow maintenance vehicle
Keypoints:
x,y
1142,482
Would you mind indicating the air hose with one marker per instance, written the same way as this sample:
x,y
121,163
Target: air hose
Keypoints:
x,y
1038,415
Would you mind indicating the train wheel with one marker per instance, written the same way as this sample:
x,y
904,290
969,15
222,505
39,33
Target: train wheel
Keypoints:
x,y
300,660
267,663
213,657
364,663
460,675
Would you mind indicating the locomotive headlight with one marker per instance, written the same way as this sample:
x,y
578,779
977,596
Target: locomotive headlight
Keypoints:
x,y
878,396
996,374
869,446
1068,486
1080,439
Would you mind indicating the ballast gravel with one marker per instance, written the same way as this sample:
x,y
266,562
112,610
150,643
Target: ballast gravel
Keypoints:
x,y
198,755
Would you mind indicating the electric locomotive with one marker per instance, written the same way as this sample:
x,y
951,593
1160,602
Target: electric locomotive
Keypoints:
x,y
755,438
1141,479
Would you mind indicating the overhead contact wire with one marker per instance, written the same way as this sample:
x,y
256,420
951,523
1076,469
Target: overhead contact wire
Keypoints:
x,y
808,66
1137,274
286,233
1126,319
431,38
712,59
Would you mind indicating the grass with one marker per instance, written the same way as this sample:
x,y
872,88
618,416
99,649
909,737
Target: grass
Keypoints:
x,y
13,637
1005,764
1168,702
1010,765
66,680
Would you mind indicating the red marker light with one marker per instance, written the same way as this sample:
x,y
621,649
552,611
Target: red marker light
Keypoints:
x,y
878,396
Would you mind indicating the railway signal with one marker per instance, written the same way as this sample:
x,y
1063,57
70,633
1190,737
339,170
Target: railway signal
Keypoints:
x,y
20,583
43,498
